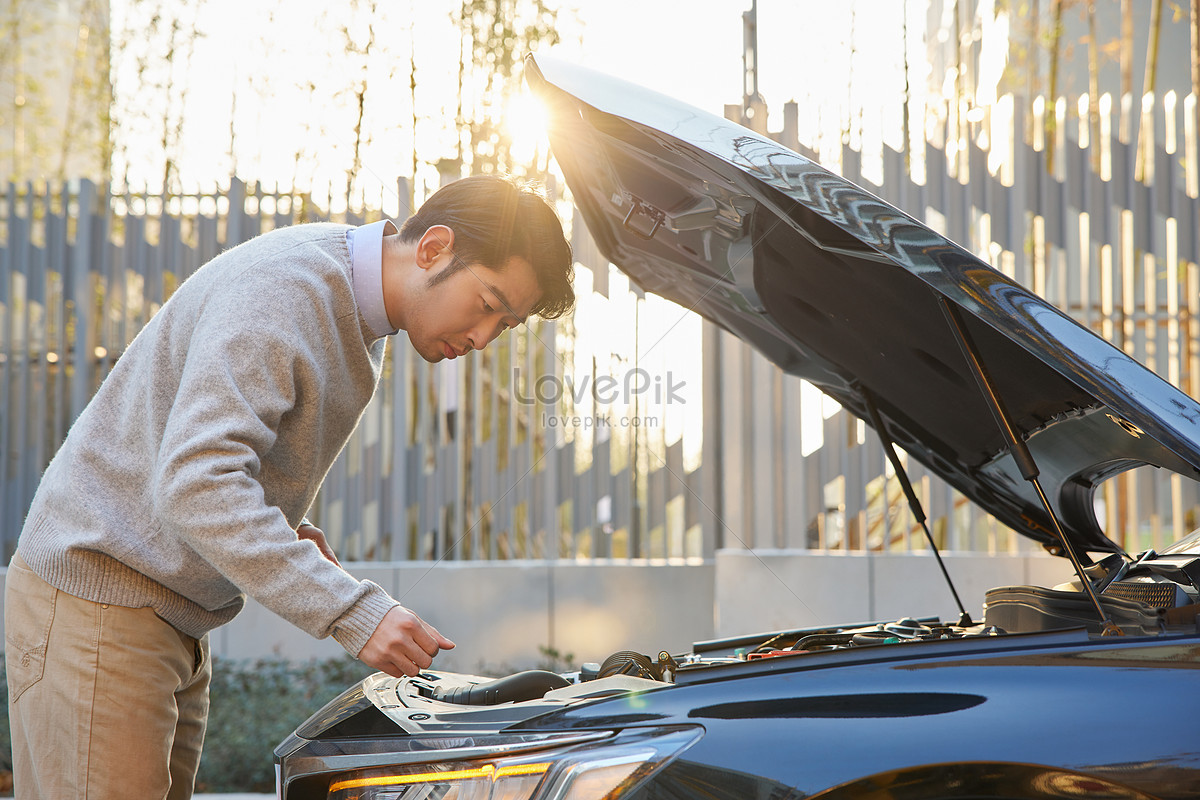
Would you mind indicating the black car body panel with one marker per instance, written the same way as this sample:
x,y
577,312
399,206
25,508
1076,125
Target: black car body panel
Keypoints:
x,y
841,288
1032,715
999,705
848,292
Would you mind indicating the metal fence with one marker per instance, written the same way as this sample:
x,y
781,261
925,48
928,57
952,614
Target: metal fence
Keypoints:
x,y
513,452
465,460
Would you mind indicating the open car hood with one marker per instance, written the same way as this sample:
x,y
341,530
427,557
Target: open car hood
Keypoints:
x,y
845,290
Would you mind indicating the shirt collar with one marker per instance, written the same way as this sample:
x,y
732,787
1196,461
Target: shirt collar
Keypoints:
x,y
366,269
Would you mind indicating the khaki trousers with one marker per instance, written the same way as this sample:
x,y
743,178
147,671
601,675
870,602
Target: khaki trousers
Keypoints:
x,y
104,701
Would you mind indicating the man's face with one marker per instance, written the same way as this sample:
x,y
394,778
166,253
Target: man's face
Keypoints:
x,y
468,308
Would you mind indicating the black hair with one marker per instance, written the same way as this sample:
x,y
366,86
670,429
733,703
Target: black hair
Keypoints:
x,y
494,219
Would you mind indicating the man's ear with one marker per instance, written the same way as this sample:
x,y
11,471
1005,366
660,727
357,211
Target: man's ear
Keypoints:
x,y
433,244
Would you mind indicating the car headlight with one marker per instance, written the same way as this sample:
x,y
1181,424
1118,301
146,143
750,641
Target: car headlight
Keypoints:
x,y
607,769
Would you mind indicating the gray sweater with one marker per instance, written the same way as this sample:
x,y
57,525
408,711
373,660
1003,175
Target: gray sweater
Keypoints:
x,y
180,485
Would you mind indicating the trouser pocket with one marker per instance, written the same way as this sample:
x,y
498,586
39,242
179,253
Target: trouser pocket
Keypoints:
x,y
28,614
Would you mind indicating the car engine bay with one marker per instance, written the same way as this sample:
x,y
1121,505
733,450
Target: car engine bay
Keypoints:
x,y
1151,594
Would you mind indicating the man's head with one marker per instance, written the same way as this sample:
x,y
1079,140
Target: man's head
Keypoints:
x,y
494,219
489,253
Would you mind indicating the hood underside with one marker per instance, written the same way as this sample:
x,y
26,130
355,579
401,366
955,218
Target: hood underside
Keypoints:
x,y
844,290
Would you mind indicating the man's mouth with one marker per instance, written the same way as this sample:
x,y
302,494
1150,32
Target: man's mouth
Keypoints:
x,y
449,351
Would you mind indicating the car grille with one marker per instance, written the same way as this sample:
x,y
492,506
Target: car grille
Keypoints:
x,y
1155,595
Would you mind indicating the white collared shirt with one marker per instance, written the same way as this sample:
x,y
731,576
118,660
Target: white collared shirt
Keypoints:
x,y
366,269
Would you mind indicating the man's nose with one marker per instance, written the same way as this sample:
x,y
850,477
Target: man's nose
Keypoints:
x,y
482,335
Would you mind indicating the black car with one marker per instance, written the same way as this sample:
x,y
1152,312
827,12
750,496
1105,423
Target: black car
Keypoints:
x,y
1090,689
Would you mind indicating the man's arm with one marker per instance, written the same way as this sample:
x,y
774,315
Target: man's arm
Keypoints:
x,y
403,644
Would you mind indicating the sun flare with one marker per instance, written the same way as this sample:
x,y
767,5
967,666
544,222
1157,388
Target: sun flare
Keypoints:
x,y
525,122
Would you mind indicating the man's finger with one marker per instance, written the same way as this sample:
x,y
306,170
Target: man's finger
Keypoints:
x,y
423,636
441,641
421,659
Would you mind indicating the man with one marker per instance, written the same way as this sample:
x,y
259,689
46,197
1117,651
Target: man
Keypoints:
x,y
184,483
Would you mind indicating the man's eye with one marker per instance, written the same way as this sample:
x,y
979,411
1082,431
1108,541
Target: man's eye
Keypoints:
x,y
487,307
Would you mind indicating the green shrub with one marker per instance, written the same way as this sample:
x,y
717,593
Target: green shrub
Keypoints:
x,y
254,706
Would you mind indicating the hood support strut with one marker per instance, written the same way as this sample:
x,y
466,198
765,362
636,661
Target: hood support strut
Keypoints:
x,y
914,503
1020,454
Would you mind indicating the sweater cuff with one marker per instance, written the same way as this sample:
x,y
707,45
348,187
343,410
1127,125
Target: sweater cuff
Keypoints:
x,y
354,628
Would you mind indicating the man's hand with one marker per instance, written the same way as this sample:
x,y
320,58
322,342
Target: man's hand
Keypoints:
x,y
317,536
403,644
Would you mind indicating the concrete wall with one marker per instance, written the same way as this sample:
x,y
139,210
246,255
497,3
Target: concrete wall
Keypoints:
x,y
500,613
769,590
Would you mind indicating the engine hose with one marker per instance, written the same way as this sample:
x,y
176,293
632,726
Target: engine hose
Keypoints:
x,y
821,640
627,662
528,685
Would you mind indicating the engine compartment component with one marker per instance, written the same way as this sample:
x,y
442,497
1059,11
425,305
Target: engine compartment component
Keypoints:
x,y
626,670
905,629
627,662
528,685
